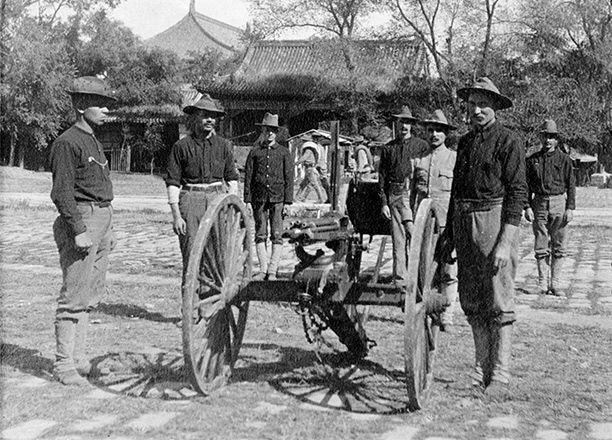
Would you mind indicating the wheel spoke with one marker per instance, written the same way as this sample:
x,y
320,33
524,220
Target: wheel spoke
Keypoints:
x,y
209,283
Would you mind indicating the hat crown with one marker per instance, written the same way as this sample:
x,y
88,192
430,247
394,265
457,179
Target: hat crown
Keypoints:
x,y
485,83
91,85
270,120
404,112
437,116
549,126
206,102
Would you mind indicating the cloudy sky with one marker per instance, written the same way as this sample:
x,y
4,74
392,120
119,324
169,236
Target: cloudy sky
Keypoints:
x,y
149,17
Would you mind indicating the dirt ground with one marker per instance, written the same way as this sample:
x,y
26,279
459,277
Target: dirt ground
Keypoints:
x,y
561,363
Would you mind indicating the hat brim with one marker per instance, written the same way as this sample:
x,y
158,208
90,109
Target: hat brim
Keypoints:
x,y
503,101
427,122
407,117
556,133
97,95
190,109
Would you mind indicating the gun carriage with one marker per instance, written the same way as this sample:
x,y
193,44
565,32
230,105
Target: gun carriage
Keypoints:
x,y
326,287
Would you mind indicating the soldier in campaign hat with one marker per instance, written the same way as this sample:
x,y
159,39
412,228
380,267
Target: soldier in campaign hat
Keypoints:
x,y
200,167
488,195
552,200
395,172
433,178
268,187
82,192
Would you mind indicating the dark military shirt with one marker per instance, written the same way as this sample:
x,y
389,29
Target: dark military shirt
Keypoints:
x,y
269,175
551,174
80,174
491,165
194,160
395,163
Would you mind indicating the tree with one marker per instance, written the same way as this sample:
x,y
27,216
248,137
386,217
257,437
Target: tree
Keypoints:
x,y
338,18
36,73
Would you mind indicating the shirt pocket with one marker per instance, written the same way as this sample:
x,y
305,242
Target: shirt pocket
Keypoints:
x,y
445,177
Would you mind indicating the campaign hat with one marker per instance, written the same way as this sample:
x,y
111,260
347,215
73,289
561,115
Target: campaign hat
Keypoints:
x,y
486,86
269,120
205,103
92,85
549,127
438,119
405,113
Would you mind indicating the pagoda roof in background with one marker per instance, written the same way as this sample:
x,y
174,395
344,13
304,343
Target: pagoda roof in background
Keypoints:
x,y
197,32
293,68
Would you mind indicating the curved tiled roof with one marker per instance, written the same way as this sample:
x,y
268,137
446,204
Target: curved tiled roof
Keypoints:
x,y
197,32
295,67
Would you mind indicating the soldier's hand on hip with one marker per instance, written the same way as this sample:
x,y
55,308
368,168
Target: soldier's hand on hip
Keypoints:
x,y
568,216
179,226
386,212
83,241
529,215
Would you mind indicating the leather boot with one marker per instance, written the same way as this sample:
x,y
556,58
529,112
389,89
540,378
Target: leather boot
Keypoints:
x,y
64,369
277,249
501,337
262,256
481,354
542,275
555,278
81,362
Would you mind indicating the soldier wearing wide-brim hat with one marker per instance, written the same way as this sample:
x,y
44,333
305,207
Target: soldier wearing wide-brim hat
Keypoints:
x,y
433,179
268,187
488,194
552,200
201,167
82,191
395,171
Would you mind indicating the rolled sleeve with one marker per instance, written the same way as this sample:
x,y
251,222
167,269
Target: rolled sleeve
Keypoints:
x,y
571,186
230,172
174,173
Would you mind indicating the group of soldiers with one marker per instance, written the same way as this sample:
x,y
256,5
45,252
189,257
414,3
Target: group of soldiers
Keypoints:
x,y
481,192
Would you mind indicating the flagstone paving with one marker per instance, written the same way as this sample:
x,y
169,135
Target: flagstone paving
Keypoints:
x,y
149,253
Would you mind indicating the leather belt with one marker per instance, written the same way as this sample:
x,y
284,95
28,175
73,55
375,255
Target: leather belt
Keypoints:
x,y
470,205
105,204
215,187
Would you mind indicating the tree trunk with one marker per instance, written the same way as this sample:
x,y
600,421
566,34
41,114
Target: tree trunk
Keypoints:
x,y
21,155
152,164
12,149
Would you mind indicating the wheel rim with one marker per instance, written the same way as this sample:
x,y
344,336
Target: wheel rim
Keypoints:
x,y
419,336
219,267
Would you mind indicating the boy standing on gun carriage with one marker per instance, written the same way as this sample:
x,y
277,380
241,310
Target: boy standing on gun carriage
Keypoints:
x,y
268,187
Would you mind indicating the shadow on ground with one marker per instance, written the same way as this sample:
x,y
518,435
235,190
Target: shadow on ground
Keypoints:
x,y
26,360
133,311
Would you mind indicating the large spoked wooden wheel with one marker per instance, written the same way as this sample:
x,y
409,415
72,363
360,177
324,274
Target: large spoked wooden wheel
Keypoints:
x,y
219,267
420,333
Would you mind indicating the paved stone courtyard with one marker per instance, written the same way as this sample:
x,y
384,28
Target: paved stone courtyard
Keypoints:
x,y
148,251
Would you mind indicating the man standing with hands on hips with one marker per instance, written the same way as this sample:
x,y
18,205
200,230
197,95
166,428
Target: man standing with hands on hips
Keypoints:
x,y
488,194
200,168
552,200
395,171
82,191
